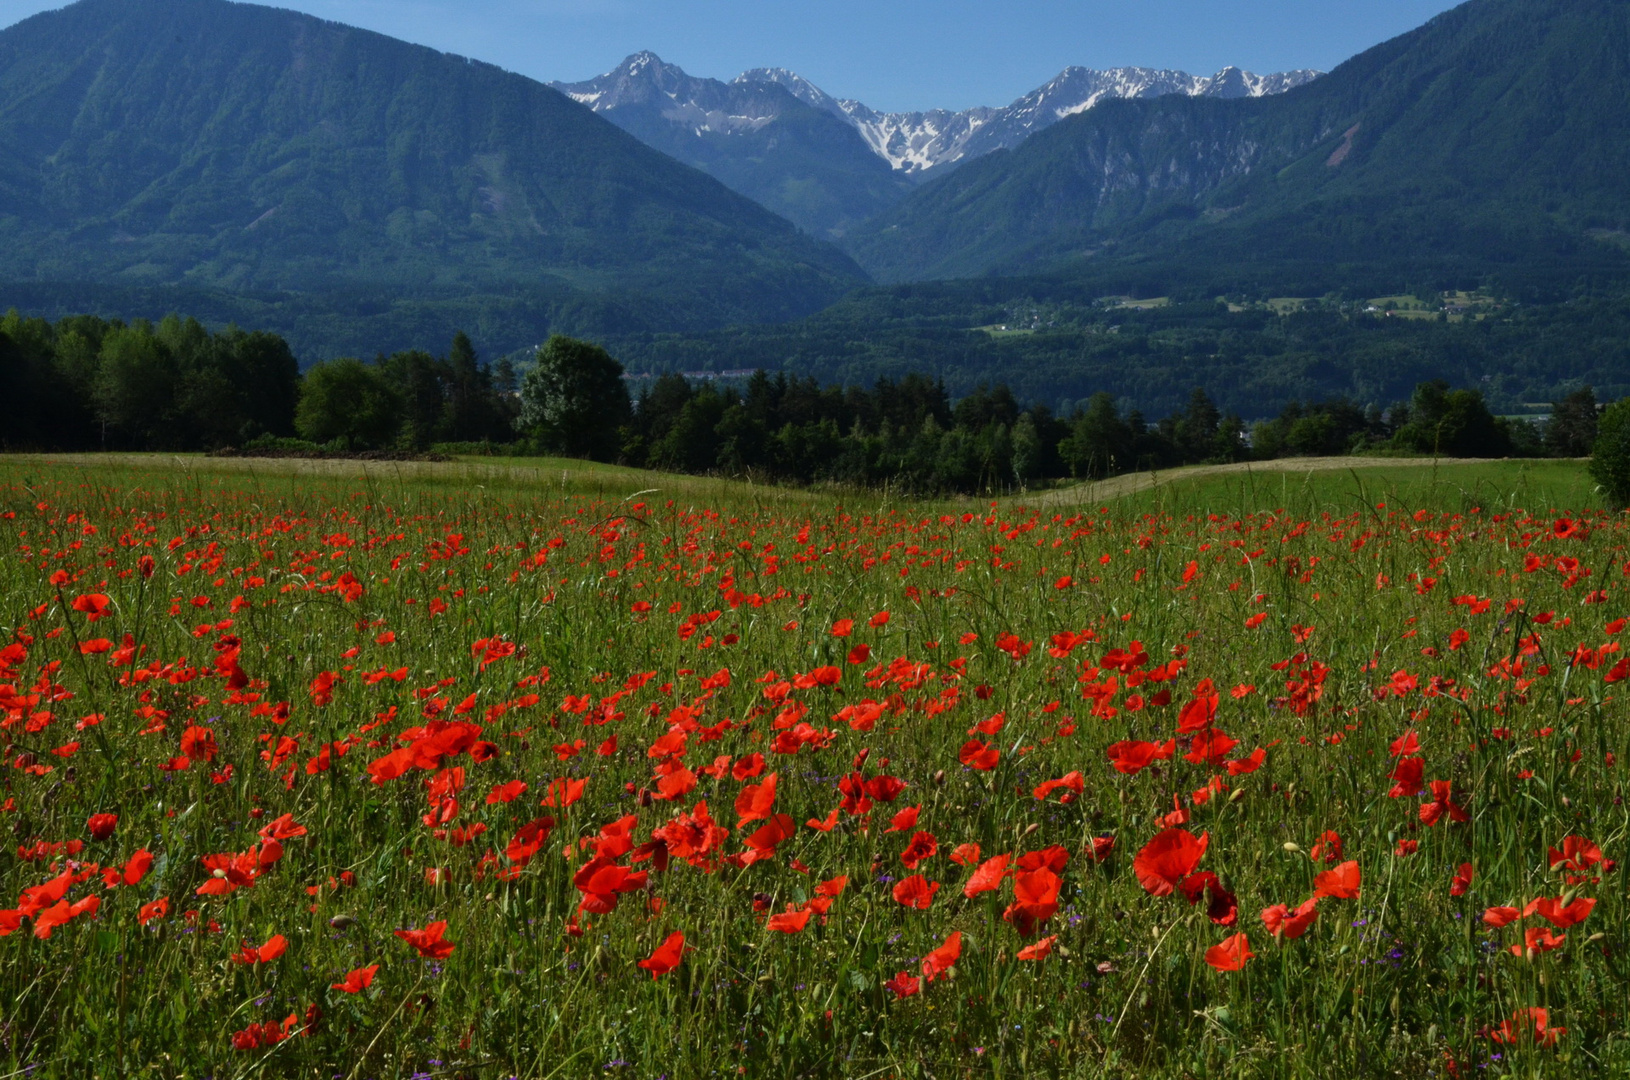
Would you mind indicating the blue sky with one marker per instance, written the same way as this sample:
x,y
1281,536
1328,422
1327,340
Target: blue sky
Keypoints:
x,y
891,54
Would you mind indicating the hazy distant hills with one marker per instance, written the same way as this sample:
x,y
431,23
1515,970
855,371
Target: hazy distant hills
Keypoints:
x,y
829,164
224,149
1494,138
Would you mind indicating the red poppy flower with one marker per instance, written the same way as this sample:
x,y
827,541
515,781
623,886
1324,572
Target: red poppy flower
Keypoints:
x,y
1131,757
1035,900
93,606
1528,1025
1501,916
101,826
198,743
1222,907
916,892
965,854
1167,859
1199,713
768,837
923,846
1231,955
1538,940
939,961
1432,812
62,912
904,820
357,980
429,942
1283,922
1210,747
833,887
506,792
136,867
564,792
1553,911
987,878
1327,848
978,755
1101,848
756,801
1407,775
885,788
903,985
1073,783
1340,883
667,956
158,909
262,954
790,921
1038,950
1578,855
1462,881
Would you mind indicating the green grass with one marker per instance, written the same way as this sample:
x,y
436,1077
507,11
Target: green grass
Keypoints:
x,y
1495,486
1354,596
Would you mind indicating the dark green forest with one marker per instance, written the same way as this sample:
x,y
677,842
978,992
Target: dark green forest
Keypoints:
x,y
85,383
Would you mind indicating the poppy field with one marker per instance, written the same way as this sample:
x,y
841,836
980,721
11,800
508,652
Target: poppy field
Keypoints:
x,y
362,779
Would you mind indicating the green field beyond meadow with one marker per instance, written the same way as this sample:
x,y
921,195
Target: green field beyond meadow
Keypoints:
x,y
547,769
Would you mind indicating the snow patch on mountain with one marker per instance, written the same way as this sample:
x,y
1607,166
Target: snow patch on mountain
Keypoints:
x,y
914,143
918,142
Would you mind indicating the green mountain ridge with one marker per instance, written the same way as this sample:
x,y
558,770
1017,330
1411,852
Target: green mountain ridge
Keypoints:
x,y
1491,139
201,146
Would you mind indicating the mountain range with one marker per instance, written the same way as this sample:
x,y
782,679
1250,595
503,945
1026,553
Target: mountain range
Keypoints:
x,y
1490,141
828,164
199,147
358,193
754,135
920,143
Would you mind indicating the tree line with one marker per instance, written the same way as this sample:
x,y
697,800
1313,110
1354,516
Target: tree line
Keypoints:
x,y
86,384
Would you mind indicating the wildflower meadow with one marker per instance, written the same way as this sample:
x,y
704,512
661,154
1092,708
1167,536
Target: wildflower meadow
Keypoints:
x,y
350,776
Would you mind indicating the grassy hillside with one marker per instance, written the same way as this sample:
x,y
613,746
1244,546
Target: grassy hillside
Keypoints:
x,y
248,151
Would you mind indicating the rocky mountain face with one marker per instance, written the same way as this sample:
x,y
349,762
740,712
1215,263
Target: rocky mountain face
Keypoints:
x,y
805,163
829,164
919,143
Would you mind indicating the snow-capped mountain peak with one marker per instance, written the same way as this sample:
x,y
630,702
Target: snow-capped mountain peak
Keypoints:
x,y
919,142
916,143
